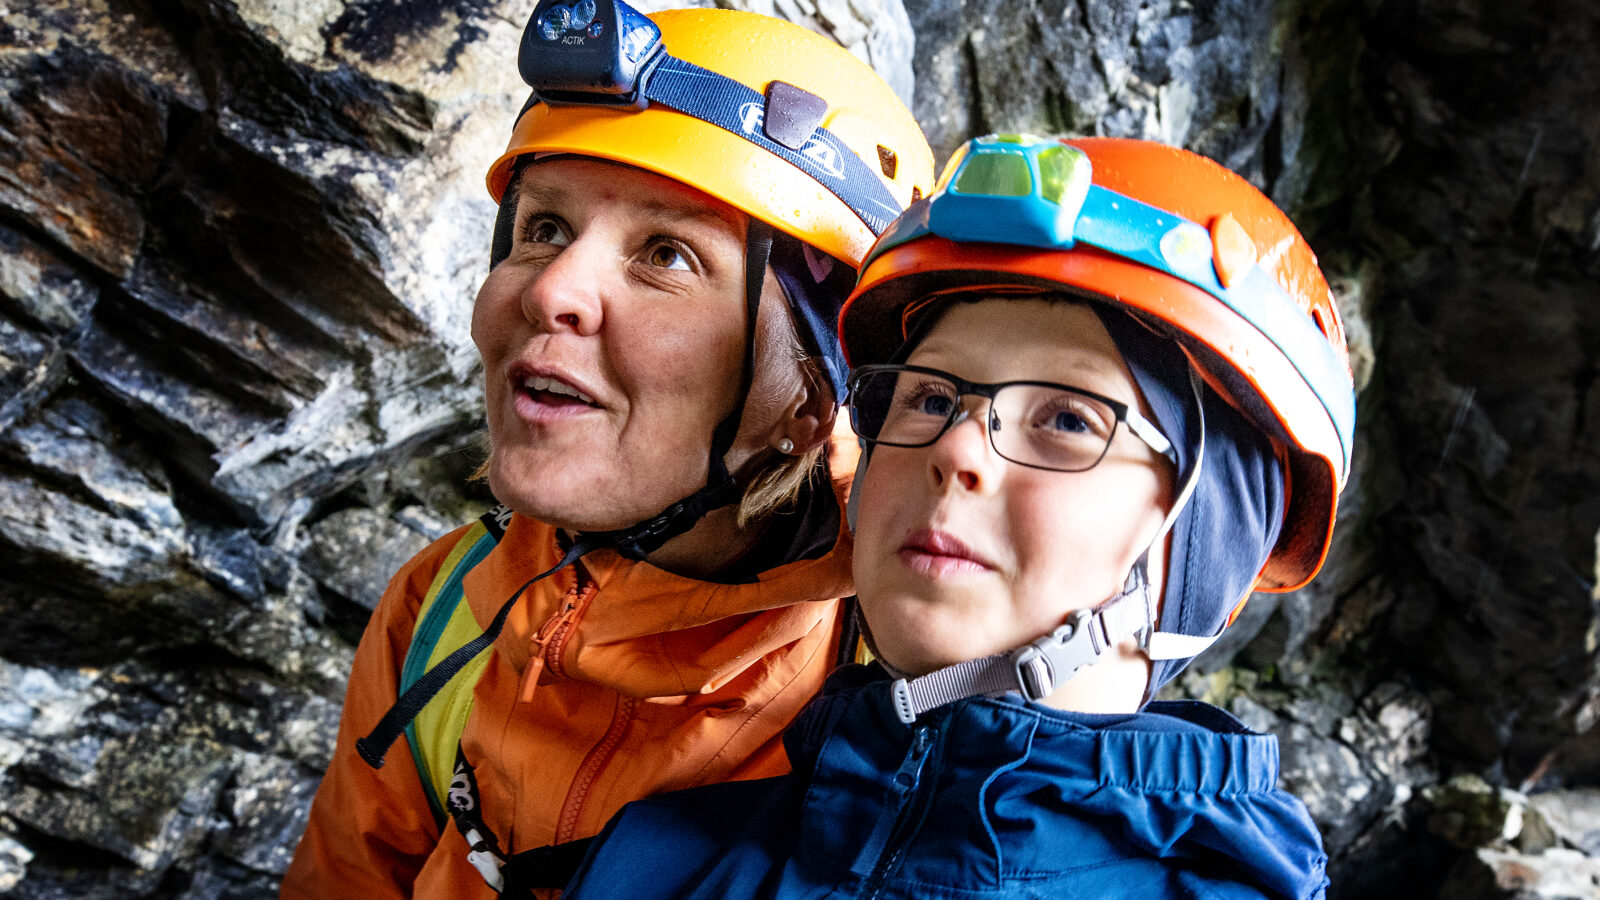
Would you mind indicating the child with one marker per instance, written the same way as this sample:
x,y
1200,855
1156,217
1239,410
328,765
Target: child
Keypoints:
x,y
1103,392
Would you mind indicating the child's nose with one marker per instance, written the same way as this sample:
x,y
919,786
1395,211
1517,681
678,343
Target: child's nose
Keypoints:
x,y
962,456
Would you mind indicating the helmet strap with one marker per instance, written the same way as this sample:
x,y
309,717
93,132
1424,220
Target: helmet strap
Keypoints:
x,y
721,488
505,220
1038,668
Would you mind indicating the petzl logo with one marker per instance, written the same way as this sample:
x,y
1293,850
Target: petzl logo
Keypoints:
x,y
821,151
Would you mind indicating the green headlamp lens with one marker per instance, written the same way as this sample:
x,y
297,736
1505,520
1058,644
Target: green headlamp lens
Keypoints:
x,y
1064,174
996,175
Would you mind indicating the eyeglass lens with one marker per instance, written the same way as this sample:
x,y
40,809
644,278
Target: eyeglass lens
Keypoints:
x,y
1047,426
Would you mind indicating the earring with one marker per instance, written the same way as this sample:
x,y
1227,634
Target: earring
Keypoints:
x,y
785,446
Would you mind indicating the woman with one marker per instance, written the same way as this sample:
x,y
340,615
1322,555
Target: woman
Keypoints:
x,y
683,203
1082,410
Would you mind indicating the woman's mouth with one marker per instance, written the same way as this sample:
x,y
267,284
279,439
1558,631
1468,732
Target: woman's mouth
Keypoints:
x,y
541,397
939,554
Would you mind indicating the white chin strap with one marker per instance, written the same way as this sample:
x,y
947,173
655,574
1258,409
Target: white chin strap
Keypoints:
x,y
1039,668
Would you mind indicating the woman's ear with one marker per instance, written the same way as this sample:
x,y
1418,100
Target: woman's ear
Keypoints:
x,y
809,419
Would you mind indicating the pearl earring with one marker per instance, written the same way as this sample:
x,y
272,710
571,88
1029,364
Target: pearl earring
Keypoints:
x,y
785,446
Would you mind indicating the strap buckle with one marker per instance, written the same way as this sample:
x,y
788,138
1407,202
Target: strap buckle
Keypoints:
x,y
1048,662
904,706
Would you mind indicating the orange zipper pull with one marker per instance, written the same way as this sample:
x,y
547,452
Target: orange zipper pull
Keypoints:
x,y
538,644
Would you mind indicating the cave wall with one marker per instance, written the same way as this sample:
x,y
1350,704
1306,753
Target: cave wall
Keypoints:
x,y
239,241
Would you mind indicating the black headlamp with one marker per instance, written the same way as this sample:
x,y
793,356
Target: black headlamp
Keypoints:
x,y
593,52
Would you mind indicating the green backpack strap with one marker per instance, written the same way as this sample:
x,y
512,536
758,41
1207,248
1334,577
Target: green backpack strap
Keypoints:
x,y
444,623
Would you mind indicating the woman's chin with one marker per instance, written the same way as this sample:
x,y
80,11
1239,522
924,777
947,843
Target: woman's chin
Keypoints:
x,y
572,508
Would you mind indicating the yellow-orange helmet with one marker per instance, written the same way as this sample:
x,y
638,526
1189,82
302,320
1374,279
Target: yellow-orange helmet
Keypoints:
x,y
778,82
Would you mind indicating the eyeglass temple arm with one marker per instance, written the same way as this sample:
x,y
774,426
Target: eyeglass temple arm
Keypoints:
x,y
1150,434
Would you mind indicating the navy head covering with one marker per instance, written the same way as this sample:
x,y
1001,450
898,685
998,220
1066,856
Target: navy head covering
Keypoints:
x,y
816,286
1224,535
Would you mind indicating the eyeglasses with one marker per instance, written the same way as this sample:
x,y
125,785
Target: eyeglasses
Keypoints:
x,y
1031,423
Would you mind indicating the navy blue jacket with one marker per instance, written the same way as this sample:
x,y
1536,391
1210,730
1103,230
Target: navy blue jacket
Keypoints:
x,y
995,798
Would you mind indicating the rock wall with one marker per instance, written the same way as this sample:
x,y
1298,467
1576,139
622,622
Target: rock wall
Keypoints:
x,y
239,241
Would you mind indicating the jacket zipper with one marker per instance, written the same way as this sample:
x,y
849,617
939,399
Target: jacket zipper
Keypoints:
x,y
549,641
593,764
905,794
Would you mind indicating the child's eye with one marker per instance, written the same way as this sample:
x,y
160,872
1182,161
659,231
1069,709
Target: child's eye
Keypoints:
x,y
1064,416
934,404
1069,422
666,256
930,397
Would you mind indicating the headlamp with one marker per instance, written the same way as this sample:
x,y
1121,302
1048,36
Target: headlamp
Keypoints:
x,y
992,173
595,52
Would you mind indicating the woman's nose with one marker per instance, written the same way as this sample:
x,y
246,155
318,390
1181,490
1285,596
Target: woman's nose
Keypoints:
x,y
566,295
962,456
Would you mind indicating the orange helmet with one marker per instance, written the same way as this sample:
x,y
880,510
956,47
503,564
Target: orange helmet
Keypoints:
x,y
775,120
1173,238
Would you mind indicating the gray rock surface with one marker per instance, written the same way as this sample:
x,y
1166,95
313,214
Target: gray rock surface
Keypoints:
x,y
239,241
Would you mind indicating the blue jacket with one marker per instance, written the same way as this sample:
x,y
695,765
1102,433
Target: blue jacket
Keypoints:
x,y
989,797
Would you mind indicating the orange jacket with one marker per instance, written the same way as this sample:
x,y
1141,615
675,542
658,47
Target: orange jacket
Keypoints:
x,y
611,681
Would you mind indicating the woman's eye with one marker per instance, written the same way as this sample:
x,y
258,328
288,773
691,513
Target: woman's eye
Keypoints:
x,y
545,231
666,256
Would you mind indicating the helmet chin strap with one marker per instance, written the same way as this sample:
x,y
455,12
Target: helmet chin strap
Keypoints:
x,y
721,488
1039,668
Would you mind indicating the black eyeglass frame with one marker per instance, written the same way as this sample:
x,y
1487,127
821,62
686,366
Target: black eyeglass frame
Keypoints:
x,y
1138,425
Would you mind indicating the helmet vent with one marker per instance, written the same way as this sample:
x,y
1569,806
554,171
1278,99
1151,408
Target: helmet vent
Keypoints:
x,y
916,193
1322,324
888,161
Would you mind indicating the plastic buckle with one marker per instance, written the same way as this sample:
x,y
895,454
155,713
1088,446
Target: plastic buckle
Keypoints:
x,y
639,541
485,860
903,707
1048,662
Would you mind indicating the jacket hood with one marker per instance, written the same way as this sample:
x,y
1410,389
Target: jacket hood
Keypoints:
x,y
646,632
1024,792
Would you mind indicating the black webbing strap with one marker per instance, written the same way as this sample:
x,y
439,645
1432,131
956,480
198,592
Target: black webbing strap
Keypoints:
x,y
849,631
757,251
376,745
505,220
721,101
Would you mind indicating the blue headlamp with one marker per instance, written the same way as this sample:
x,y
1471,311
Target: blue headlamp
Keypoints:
x,y
1038,192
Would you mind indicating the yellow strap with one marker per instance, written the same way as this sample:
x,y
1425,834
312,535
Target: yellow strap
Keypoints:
x,y
440,723
436,730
